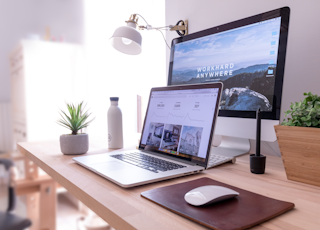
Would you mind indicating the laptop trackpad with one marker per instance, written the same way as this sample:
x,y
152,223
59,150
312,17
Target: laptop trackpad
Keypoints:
x,y
110,166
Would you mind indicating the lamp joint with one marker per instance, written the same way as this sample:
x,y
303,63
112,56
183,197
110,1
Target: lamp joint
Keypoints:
x,y
183,27
134,19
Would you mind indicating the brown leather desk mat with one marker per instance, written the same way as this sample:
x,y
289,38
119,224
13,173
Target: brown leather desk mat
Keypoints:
x,y
244,211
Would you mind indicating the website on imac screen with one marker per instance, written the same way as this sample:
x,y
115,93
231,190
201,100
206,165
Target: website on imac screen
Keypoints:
x,y
179,122
244,59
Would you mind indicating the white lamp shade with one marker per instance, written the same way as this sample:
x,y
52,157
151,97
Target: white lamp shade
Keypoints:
x,y
121,38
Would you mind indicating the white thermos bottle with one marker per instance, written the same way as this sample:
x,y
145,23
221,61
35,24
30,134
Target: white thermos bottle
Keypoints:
x,y
115,134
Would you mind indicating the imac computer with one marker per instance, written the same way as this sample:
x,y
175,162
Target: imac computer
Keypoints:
x,y
248,57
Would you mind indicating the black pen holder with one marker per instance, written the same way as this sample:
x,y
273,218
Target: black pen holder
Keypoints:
x,y
257,164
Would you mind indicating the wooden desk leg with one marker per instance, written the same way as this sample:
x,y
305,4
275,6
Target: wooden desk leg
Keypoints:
x,y
32,204
48,206
31,169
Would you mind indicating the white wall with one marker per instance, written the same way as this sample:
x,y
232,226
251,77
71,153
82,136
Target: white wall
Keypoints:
x,y
114,74
20,18
92,23
303,49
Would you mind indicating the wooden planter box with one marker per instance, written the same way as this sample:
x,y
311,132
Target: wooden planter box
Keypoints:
x,y
300,151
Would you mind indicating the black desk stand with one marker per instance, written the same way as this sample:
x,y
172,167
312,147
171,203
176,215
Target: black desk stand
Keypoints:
x,y
258,161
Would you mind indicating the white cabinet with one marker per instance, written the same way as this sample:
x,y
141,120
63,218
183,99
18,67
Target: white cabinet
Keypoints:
x,y
44,76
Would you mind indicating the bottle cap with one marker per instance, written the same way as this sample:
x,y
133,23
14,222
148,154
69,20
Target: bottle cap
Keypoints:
x,y
114,98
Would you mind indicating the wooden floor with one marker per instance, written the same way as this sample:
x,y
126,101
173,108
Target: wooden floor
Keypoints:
x,y
67,214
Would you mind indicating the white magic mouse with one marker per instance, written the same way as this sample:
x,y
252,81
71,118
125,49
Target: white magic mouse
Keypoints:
x,y
209,194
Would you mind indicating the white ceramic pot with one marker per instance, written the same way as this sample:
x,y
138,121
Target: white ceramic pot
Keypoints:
x,y
74,144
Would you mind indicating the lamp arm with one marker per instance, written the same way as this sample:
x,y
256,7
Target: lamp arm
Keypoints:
x,y
176,27
180,29
149,27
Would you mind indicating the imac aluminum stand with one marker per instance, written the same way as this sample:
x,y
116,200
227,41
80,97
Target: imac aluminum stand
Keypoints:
x,y
232,147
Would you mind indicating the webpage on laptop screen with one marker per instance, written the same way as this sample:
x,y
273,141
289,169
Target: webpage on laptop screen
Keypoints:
x,y
179,122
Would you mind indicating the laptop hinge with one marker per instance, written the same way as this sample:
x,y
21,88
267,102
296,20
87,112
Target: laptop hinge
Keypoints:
x,y
169,157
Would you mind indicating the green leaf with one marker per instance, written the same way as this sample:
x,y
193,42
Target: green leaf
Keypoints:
x,y
76,118
304,113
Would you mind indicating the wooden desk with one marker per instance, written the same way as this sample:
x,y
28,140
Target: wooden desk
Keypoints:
x,y
126,209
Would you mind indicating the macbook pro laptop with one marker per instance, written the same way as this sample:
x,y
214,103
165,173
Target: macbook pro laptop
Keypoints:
x,y
175,140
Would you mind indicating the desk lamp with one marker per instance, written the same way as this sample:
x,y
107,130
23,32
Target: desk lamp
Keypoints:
x,y
127,39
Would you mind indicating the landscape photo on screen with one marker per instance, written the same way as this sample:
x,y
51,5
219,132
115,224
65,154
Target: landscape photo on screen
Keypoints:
x,y
243,59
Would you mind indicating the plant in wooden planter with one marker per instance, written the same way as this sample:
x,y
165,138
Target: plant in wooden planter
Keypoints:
x,y
299,140
305,113
74,143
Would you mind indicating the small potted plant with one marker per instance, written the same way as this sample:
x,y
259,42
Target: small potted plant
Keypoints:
x,y
299,140
74,143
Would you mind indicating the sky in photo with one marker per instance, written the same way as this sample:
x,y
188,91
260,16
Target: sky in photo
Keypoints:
x,y
244,46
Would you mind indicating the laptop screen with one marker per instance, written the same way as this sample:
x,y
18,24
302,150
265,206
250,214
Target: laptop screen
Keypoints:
x,y
180,121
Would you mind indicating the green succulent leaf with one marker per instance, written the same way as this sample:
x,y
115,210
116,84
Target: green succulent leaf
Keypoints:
x,y
305,113
76,118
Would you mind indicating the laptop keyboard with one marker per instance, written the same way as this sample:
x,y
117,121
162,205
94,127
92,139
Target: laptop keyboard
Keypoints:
x,y
144,161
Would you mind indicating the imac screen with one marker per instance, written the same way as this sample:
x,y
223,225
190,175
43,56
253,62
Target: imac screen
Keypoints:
x,y
247,56
244,59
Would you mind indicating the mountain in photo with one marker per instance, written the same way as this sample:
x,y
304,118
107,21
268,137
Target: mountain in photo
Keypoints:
x,y
252,69
264,85
189,76
243,80
244,100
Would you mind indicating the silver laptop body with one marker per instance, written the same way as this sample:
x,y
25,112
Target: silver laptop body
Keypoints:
x,y
175,140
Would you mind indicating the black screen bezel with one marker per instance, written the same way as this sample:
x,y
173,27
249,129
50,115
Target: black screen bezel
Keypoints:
x,y
216,85
284,13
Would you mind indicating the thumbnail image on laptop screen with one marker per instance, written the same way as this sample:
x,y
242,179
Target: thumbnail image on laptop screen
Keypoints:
x,y
179,122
